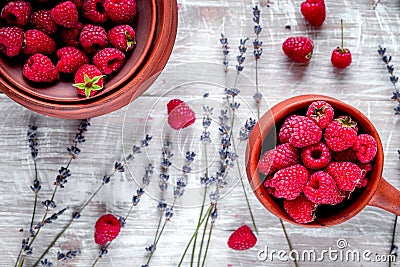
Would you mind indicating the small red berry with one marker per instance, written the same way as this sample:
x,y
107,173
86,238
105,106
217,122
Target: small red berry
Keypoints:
x,y
321,112
93,38
107,228
16,12
109,60
121,11
70,59
314,12
242,239
365,147
321,188
41,20
301,209
282,156
88,80
11,39
305,132
346,174
316,156
122,37
94,11
39,68
341,133
36,41
65,14
298,48
341,56
180,115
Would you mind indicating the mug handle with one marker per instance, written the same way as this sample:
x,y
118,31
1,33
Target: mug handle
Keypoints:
x,y
386,197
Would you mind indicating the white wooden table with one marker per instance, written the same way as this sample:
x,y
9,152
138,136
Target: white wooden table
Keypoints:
x,y
365,85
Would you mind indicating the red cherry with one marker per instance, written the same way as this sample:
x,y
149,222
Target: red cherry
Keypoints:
x,y
341,56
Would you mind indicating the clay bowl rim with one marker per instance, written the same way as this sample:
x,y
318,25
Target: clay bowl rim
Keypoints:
x,y
36,93
274,116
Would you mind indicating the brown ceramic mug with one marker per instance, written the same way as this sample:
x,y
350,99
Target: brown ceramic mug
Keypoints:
x,y
378,191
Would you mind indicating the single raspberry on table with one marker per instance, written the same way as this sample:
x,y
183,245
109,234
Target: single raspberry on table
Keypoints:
x,y
93,38
345,155
314,12
242,239
365,168
322,112
11,39
94,11
321,188
305,132
341,133
282,156
286,130
70,37
65,14
288,183
180,115
109,60
107,228
41,20
70,59
36,41
88,80
121,11
16,12
39,68
298,48
365,147
301,209
122,37
346,174
316,156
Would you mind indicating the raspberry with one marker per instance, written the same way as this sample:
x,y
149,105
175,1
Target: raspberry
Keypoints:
x,y
301,209
16,12
70,37
321,188
107,229
284,155
305,132
122,37
93,38
346,174
65,14
314,12
38,42
345,155
41,20
88,80
11,39
180,115
288,183
109,60
94,11
365,147
70,59
242,239
316,156
39,68
341,133
298,48
286,130
121,11
365,168
321,112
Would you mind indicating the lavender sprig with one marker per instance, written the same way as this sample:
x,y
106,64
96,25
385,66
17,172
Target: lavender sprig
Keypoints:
x,y
257,45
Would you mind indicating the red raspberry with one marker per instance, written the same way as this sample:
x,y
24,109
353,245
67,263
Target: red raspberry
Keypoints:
x,y
109,60
121,11
93,38
65,14
346,174
70,37
305,132
107,229
41,20
180,115
11,39
345,155
70,59
88,80
284,155
316,156
321,112
39,68
301,210
321,188
286,130
365,147
298,48
122,37
314,12
365,168
16,12
38,42
242,239
289,182
341,133
94,11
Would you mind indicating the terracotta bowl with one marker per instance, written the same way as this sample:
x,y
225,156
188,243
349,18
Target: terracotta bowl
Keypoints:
x,y
155,26
378,191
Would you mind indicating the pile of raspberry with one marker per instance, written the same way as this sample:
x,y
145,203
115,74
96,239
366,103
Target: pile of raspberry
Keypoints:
x,y
80,39
319,161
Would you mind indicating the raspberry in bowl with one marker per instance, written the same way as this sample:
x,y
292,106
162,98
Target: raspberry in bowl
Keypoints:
x,y
315,161
130,41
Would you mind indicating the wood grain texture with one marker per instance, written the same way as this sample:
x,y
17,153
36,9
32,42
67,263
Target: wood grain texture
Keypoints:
x,y
365,85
